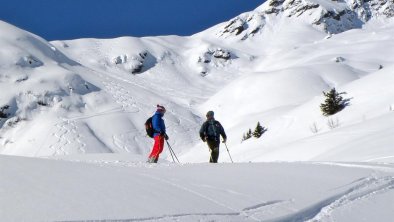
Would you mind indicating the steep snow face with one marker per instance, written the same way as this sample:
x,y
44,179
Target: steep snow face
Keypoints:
x,y
35,77
330,16
33,74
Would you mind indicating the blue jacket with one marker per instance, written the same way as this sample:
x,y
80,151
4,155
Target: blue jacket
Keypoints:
x,y
158,123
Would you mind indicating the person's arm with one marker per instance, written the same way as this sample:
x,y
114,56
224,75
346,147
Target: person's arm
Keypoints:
x,y
224,136
156,124
163,126
202,131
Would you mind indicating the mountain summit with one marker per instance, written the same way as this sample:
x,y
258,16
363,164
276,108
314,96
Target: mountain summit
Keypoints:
x,y
330,16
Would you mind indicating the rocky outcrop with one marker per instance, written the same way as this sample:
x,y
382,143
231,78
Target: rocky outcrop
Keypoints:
x,y
368,9
29,61
134,63
331,16
3,111
245,26
217,57
214,53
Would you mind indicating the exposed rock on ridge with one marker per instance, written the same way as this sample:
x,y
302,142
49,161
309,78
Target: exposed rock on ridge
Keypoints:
x,y
331,16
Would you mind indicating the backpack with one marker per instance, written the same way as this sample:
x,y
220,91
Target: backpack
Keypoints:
x,y
213,130
149,128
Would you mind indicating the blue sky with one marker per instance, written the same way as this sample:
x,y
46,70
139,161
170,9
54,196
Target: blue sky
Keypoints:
x,y
71,19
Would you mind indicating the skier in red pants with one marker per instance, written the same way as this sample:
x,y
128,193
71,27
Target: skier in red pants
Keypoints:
x,y
160,134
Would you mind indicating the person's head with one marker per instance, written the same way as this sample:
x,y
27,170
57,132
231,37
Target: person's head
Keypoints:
x,y
210,114
161,109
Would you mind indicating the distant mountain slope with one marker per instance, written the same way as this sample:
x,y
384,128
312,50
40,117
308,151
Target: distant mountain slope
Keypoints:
x,y
330,16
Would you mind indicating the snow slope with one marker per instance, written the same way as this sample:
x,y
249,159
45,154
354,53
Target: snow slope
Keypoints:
x,y
125,189
81,104
93,95
286,100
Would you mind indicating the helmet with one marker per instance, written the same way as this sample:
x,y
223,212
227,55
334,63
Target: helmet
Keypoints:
x,y
161,109
210,114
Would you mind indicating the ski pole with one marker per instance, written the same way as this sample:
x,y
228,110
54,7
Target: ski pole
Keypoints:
x,y
172,151
228,151
175,155
172,156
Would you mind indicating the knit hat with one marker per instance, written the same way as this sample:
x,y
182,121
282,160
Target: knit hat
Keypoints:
x,y
161,109
210,114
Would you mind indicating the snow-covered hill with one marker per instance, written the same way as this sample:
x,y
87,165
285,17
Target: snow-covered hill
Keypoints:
x,y
93,95
83,103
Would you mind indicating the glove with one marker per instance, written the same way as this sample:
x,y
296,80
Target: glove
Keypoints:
x,y
166,136
224,140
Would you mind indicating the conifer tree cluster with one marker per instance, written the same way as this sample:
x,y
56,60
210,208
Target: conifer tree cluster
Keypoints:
x,y
257,133
333,103
247,135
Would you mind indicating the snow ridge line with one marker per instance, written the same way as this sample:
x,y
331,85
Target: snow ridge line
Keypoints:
x,y
365,188
207,216
174,217
384,167
258,206
244,212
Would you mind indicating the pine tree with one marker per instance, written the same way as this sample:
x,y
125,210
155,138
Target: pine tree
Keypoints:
x,y
333,103
259,130
248,134
243,137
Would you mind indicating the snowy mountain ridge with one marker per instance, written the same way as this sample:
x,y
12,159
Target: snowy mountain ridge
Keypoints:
x,y
331,16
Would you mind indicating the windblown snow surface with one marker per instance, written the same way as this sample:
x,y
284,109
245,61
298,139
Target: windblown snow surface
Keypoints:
x,y
72,139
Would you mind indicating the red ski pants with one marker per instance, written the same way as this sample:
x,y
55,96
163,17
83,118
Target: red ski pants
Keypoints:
x,y
157,147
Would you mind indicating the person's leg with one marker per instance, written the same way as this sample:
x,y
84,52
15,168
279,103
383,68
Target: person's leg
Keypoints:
x,y
214,151
161,147
154,155
211,147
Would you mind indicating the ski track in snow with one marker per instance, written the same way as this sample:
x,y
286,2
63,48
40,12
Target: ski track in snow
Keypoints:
x,y
247,214
125,141
378,167
128,104
361,189
322,211
67,138
379,158
122,96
